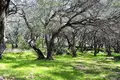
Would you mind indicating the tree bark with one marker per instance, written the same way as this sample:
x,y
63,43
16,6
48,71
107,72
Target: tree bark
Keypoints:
x,y
2,44
37,50
95,44
50,49
73,49
2,48
3,10
108,48
116,47
51,42
39,53
95,49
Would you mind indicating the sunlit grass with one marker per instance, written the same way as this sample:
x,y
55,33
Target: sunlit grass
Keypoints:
x,y
24,66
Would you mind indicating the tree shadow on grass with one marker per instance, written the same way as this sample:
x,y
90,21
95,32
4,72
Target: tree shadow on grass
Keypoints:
x,y
117,58
39,63
11,75
112,72
28,63
63,72
113,77
68,75
18,75
23,62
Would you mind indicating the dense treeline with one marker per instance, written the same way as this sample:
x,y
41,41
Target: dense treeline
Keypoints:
x,y
61,26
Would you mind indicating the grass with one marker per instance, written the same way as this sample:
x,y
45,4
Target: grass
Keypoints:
x,y
23,66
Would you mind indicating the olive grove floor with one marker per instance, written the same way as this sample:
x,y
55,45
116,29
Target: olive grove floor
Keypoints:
x,y
23,66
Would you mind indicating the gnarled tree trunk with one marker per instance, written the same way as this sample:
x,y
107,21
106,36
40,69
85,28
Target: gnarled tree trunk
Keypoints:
x,y
40,55
3,10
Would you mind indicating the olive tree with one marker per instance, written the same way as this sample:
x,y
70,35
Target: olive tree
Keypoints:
x,y
4,4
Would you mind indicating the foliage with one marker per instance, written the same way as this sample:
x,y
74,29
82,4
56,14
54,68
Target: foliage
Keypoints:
x,y
22,43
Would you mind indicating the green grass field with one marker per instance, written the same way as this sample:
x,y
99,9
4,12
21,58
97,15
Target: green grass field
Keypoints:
x,y
23,66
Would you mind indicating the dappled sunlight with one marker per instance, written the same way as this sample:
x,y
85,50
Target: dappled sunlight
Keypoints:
x,y
3,66
63,68
59,40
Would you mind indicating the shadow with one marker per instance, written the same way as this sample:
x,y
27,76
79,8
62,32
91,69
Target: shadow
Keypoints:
x,y
68,75
28,63
117,58
61,67
13,75
92,72
113,77
23,62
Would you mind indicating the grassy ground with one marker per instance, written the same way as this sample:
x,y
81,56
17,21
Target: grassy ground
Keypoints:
x,y
23,66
